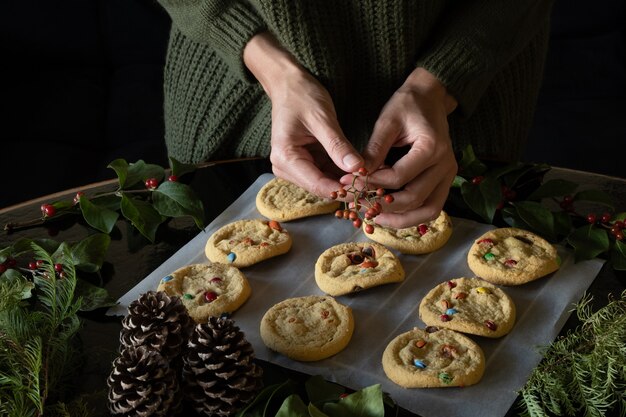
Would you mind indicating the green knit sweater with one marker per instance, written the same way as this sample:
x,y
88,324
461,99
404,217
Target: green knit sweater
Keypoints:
x,y
488,53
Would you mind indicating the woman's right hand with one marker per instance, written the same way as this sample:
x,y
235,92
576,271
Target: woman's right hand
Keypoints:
x,y
308,145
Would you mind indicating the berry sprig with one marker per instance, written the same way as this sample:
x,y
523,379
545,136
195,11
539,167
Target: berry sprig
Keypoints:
x,y
363,200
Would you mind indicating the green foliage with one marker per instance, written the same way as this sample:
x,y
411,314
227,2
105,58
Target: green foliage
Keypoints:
x,y
583,373
319,399
38,349
516,195
146,208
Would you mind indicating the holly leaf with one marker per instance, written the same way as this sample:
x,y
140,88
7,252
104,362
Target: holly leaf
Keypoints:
x,y
100,218
320,391
483,198
139,172
174,199
588,242
111,202
553,188
293,406
142,215
538,217
595,196
469,165
261,401
120,167
93,297
367,402
512,218
458,181
618,256
527,172
88,254
179,169
498,172
562,223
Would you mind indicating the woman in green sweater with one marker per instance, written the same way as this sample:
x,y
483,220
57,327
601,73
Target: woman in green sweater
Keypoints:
x,y
324,87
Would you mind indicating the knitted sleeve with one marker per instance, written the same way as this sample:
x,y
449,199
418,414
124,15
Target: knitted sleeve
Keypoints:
x,y
225,25
478,38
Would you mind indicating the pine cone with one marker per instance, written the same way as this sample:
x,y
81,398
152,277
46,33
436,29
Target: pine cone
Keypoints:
x,y
219,374
157,321
143,384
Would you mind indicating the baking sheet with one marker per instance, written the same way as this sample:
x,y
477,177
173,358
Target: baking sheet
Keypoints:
x,y
382,313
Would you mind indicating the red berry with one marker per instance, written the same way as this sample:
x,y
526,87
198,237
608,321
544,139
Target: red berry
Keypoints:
x,y
362,171
500,205
606,217
11,262
357,223
342,193
378,207
619,224
39,263
346,214
151,183
333,195
477,180
58,267
32,265
591,218
380,192
619,235
172,178
3,268
48,210
389,198
353,215
369,229
568,199
510,195
339,214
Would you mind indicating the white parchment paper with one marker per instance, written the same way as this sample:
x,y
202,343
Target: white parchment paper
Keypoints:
x,y
384,312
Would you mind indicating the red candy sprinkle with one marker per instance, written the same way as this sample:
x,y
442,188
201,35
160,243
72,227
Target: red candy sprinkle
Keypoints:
x,y
451,284
510,263
210,296
485,241
216,280
491,325
423,229
445,317
369,264
275,225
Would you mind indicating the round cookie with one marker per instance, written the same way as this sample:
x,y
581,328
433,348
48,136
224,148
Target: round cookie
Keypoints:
x,y
355,266
246,242
512,256
415,240
282,200
307,328
469,305
433,358
207,289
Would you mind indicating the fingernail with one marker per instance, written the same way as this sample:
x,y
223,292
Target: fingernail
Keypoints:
x,y
351,160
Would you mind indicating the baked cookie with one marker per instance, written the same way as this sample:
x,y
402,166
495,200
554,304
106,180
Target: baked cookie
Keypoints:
x,y
282,200
246,242
469,305
433,358
207,289
307,328
511,256
415,240
351,267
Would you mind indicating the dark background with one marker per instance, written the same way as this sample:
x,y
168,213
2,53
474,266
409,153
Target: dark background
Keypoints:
x,y
83,86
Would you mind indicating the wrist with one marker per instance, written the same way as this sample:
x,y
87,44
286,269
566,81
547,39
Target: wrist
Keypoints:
x,y
269,62
424,82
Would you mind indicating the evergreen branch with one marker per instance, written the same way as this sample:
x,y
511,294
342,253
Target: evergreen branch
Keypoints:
x,y
584,371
